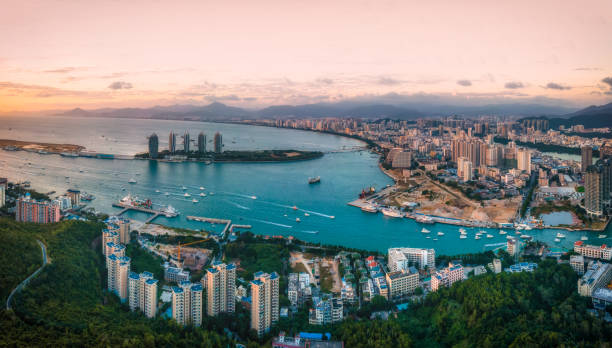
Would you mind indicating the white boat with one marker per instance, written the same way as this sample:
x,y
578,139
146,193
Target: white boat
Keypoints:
x,y
169,211
132,181
253,197
297,220
156,191
602,236
557,240
502,232
526,236
424,230
518,232
201,187
509,237
462,230
428,237
489,236
477,237
369,208
294,207
332,217
440,233
463,236
390,212
560,235
202,194
306,214
167,194
184,188
435,239
187,194
584,238
463,233
194,200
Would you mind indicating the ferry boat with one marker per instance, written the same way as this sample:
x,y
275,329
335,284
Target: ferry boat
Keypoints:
x,y
489,236
369,208
169,211
560,235
440,233
424,230
391,212
463,236
129,200
502,232
314,180
584,238
602,236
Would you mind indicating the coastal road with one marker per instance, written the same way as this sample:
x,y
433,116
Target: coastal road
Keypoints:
x,y
25,282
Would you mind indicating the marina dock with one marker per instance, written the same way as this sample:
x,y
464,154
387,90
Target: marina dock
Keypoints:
x,y
153,212
228,223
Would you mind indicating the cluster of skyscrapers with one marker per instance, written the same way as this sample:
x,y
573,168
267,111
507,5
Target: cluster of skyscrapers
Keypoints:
x,y
173,145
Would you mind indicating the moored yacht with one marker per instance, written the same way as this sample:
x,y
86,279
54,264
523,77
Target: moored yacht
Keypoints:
x,y
424,230
391,212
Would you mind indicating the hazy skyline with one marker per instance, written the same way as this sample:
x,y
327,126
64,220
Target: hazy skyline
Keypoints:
x,y
59,55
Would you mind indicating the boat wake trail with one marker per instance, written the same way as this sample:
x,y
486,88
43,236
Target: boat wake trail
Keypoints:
x,y
315,213
311,232
273,223
303,210
495,244
237,205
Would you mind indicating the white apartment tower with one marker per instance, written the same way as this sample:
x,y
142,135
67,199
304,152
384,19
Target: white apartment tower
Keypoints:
x,y
142,289
220,289
402,258
118,270
264,301
187,303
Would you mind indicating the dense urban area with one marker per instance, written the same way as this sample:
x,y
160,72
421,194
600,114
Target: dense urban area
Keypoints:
x,y
107,280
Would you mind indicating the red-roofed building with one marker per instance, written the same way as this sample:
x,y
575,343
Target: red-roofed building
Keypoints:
x,y
593,251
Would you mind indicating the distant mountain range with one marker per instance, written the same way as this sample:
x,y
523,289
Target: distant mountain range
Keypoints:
x,y
591,117
220,112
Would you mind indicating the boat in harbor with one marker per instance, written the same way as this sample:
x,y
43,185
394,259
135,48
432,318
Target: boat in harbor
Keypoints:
x,y
194,200
202,194
184,188
476,237
440,233
424,230
132,180
502,232
156,191
463,236
526,236
187,194
306,214
169,211
584,238
314,180
602,236
87,197
369,208
167,194
489,236
557,240
201,187
253,197
391,212
294,207
560,235
462,230
297,220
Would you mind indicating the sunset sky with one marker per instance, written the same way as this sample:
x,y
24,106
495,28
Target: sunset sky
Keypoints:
x,y
90,54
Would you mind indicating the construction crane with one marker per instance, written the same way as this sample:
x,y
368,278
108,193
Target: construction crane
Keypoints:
x,y
183,245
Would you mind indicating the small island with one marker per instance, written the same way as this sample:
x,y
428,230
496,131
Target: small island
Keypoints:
x,y
32,146
234,156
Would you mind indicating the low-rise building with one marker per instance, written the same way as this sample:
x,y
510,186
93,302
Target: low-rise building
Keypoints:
x,y
175,274
402,258
326,310
447,276
593,251
577,263
602,298
402,283
522,267
298,288
597,275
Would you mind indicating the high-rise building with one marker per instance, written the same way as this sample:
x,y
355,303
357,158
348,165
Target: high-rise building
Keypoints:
x,y
402,258
447,276
153,145
31,210
218,143
512,246
187,303
577,263
593,190
75,197
468,171
142,292
118,271
2,196
202,142
264,301
109,235
523,157
587,157
172,143
186,142
220,289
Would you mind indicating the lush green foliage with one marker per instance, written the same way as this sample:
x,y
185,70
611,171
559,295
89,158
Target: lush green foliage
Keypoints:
x,y
257,255
141,261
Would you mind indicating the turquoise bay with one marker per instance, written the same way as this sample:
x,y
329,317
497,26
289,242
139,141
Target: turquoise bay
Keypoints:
x,y
344,171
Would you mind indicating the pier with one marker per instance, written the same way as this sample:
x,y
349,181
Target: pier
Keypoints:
x,y
228,223
153,212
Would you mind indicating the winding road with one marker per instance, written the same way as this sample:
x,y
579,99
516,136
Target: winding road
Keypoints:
x,y
25,282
